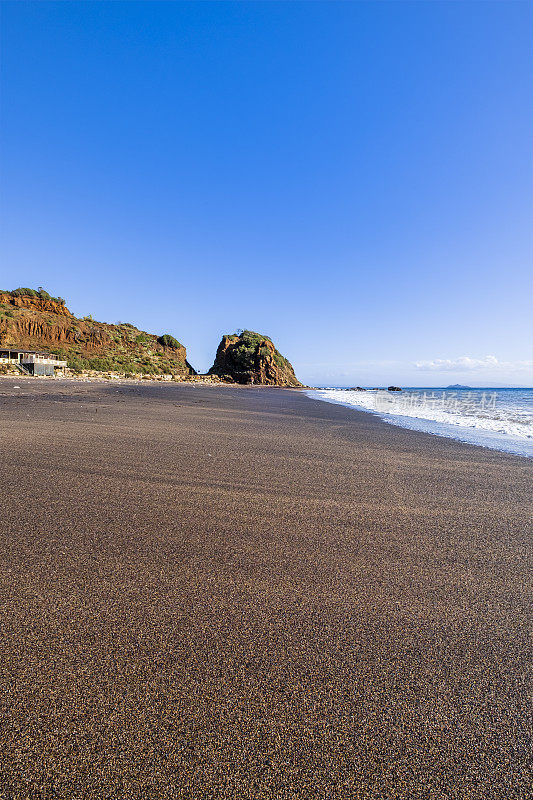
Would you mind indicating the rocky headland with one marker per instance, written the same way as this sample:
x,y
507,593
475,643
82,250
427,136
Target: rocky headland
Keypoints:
x,y
249,357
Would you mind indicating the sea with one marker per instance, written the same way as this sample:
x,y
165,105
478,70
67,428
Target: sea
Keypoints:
x,y
501,419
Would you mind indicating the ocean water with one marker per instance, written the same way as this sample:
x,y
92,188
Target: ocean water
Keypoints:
x,y
501,419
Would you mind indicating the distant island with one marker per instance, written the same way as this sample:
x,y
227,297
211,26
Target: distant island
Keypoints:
x,y
33,321
457,386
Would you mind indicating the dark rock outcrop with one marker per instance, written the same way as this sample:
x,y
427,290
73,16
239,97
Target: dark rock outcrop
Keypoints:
x,y
250,357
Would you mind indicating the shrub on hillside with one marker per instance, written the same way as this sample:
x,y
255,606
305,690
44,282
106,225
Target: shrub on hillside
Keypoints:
x,y
250,338
169,341
24,291
246,345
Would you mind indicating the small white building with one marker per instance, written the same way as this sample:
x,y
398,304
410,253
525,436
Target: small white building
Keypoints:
x,y
32,362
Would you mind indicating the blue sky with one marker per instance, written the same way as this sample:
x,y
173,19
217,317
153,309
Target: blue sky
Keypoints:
x,y
352,179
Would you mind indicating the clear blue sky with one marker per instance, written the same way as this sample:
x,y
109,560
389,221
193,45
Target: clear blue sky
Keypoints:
x,y
353,179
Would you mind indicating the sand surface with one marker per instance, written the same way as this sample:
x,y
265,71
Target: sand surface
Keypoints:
x,y
214,592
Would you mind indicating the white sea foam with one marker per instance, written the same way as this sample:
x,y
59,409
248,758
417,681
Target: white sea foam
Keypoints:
x,y
501,419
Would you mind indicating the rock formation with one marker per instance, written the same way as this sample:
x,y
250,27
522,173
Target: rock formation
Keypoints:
x,y
37,321
249,357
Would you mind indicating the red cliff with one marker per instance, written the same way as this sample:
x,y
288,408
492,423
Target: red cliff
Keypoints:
x,y
37,322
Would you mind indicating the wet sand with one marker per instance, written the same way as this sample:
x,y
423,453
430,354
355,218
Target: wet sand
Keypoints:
x,y
215,592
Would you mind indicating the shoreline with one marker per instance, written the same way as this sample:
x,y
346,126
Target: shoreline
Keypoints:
x,y
322,601
465,433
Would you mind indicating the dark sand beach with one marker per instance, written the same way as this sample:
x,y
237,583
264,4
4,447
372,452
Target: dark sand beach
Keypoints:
x,y
246,593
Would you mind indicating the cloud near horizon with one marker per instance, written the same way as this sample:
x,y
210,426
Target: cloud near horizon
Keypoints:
x,y
467,364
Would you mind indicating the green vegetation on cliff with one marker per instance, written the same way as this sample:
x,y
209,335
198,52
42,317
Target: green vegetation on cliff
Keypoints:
x,y
41,293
